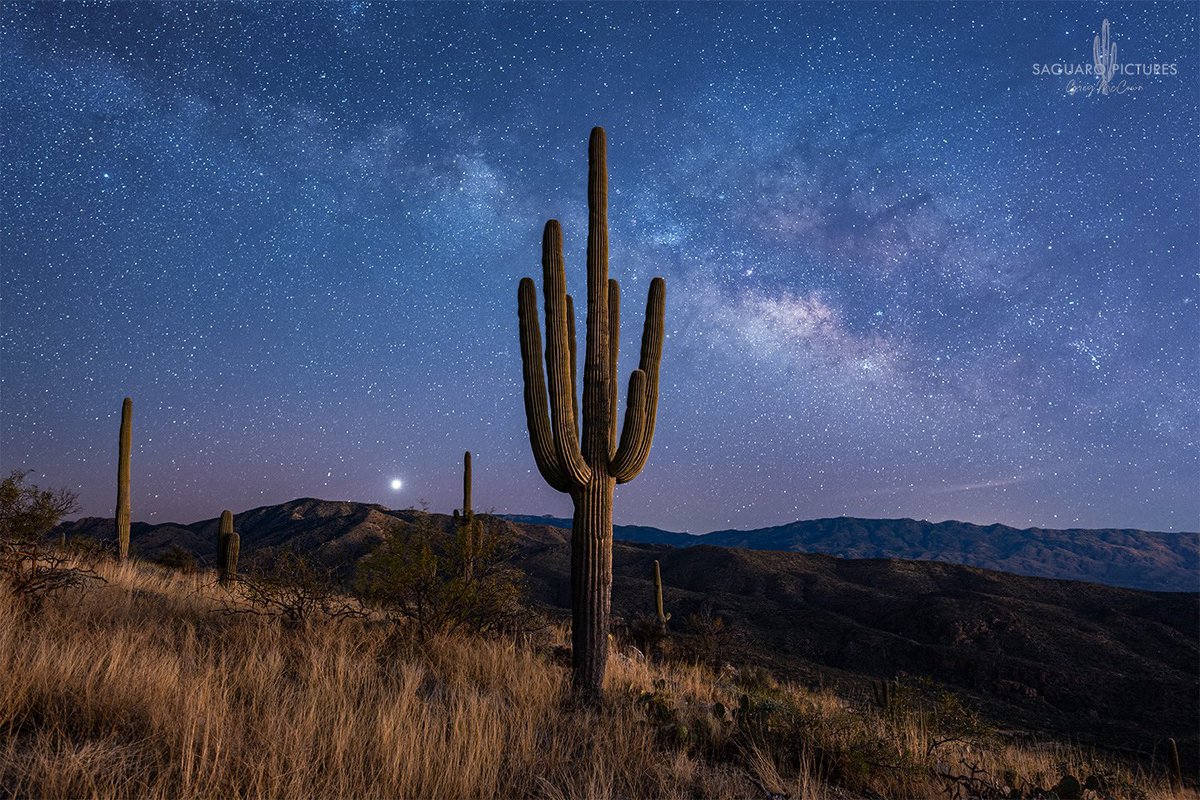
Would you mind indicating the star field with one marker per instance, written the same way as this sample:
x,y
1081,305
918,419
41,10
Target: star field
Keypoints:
x,y
906,275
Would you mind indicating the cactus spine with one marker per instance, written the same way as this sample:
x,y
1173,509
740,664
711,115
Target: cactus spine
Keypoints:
x,y
588,464
663,619
468,529
228,545
123,513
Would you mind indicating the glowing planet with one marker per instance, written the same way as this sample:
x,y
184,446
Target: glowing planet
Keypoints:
x,y
396,484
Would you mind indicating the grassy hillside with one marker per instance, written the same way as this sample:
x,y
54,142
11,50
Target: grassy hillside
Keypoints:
x,y
1100,665
145,686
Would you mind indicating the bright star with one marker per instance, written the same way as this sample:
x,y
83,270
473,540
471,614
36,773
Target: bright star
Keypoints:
x,y
396,484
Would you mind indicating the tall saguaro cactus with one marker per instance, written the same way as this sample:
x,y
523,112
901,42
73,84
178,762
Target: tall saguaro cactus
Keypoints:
x,y
589,465
123,514
228,545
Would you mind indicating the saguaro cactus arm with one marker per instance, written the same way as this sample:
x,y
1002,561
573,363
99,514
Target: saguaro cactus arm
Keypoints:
x,y
614,350
633,431
537,414
634,450
228,544
467,483
574,361
562,417
233,544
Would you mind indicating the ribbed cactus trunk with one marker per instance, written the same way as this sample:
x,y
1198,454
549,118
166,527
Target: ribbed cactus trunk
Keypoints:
x,y
466,524
123,512
591,585
466,509
663,617
588,463
228,545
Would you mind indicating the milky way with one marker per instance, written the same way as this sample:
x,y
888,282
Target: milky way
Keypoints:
x,y
908,273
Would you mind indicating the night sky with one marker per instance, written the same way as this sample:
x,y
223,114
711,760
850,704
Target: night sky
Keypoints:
x,y
906,276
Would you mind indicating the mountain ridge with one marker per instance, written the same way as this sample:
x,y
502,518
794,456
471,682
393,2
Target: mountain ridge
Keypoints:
x,y
1126,557
1123,557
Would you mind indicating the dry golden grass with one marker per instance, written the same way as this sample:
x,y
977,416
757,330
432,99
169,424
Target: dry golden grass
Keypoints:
x,y
140,687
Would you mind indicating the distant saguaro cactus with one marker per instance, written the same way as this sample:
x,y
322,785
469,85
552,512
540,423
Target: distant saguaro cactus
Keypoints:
x,y
123,513
884,696
467,528
663,619
1176,771
228,545
588,466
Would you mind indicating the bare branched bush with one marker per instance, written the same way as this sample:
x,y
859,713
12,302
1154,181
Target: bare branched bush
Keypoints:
x,y
31,567
707,636
292,589
180,558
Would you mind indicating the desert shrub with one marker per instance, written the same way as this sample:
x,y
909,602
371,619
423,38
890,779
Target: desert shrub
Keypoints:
x,y
29,513
647,633
434,583
973,780
179,558
938,709
758,679
707,637
31,567
291,588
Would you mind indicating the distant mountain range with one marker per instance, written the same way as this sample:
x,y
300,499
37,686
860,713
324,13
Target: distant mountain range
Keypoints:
x,y
1168,562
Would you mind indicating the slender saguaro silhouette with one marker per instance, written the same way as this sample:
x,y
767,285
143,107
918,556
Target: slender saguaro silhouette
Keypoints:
x,y
467,528
123,515
588,466
663,618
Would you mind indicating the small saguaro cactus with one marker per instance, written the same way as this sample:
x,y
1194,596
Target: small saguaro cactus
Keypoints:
x,y
467,528
884,694
228,545
588,464
1176,776
663,619
123,513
